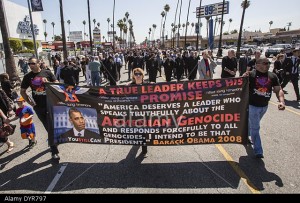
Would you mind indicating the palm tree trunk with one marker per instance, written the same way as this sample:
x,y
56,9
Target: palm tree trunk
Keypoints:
x,y
90,29
178,35
114,25
221,30
62,22
11,69
241,31
186,24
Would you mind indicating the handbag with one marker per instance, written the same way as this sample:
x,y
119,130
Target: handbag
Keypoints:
x,y
7,130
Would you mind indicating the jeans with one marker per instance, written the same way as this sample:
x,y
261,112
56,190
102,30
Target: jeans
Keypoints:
x,y
255,115
95,76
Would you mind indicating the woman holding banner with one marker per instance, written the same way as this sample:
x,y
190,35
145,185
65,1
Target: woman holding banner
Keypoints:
x,y
138,79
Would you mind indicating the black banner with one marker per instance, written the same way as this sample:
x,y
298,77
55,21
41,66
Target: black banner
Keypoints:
x,y
183,113
36,5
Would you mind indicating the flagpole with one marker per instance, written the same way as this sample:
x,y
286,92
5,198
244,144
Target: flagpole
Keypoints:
x,y
32,30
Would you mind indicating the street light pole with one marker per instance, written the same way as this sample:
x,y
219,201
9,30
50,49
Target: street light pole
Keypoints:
x,y
114,25
220,40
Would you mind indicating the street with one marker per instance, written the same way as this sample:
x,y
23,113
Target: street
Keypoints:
x,y
197,169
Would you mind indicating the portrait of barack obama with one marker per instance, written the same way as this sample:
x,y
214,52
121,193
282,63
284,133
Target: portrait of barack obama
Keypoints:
x,y
78,131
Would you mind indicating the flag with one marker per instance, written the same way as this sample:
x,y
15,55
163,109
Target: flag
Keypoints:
x,y
36,5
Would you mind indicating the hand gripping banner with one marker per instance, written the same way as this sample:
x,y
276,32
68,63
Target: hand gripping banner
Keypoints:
x,y
182,113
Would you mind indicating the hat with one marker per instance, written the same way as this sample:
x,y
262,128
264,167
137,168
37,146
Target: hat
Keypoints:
x,y
19,99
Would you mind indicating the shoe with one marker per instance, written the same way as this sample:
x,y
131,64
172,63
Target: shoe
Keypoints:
x,y
10,147
250,142
145,155
32,144
259,156
55,157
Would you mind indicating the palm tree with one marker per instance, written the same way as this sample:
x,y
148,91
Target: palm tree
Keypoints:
x,y
84,22
63,34
11,68
179,19
193,24
187,23
153,33
271,22
98,25
94,21
45,22
183,26
69,22
162,17
230,20
166,9
120,24
245,4
127,16
289,25
108,20
53,24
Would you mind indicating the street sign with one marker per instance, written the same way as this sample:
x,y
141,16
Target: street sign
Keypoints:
x,y
212,9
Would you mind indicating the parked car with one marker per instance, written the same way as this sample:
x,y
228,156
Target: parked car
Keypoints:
x,y
248,48
277,48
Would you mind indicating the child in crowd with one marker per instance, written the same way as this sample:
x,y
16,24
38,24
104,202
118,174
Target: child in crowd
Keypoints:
x,y
25,114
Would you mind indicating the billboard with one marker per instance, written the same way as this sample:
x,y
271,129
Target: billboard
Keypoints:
x,y
76,36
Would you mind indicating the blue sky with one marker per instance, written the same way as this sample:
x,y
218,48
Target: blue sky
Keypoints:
x,y
145,13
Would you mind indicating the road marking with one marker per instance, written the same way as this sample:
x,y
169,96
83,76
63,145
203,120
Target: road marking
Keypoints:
x,y
4,183
238,170
288,109
56,179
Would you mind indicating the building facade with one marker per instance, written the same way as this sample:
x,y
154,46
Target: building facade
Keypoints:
x,y
18,23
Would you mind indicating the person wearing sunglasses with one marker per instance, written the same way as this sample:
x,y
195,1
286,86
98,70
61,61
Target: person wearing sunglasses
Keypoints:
x,y
261,84
36,80
138,79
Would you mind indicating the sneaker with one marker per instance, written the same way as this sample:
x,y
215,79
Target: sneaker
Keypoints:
x,y
259,156
55,157
32,144
10,147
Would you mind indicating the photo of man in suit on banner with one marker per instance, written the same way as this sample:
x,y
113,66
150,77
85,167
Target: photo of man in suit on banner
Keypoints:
x,y
75,124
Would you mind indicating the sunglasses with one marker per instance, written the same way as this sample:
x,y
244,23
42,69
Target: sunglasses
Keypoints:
x,y
138,74
266,63
31,63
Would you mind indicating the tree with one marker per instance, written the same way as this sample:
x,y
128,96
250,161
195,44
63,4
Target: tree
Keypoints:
x,y
230,20
94,21
187,23
45,22
69,22
53,24
153,33
245,4
161,25
98,25
127,16
166,9
63,34
108,20
234,31
84,22
271,22
11,69
193,24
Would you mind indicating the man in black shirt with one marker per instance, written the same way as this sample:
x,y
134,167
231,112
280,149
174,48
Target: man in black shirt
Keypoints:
x,y
36,80
261,83
229,65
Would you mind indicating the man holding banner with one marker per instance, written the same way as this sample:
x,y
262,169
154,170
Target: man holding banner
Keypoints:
x,y
261,83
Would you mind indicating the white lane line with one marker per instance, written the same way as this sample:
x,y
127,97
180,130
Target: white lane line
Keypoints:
x,y
56,179
4,183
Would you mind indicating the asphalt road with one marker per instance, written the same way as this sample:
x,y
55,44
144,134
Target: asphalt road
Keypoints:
x,y
198,169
